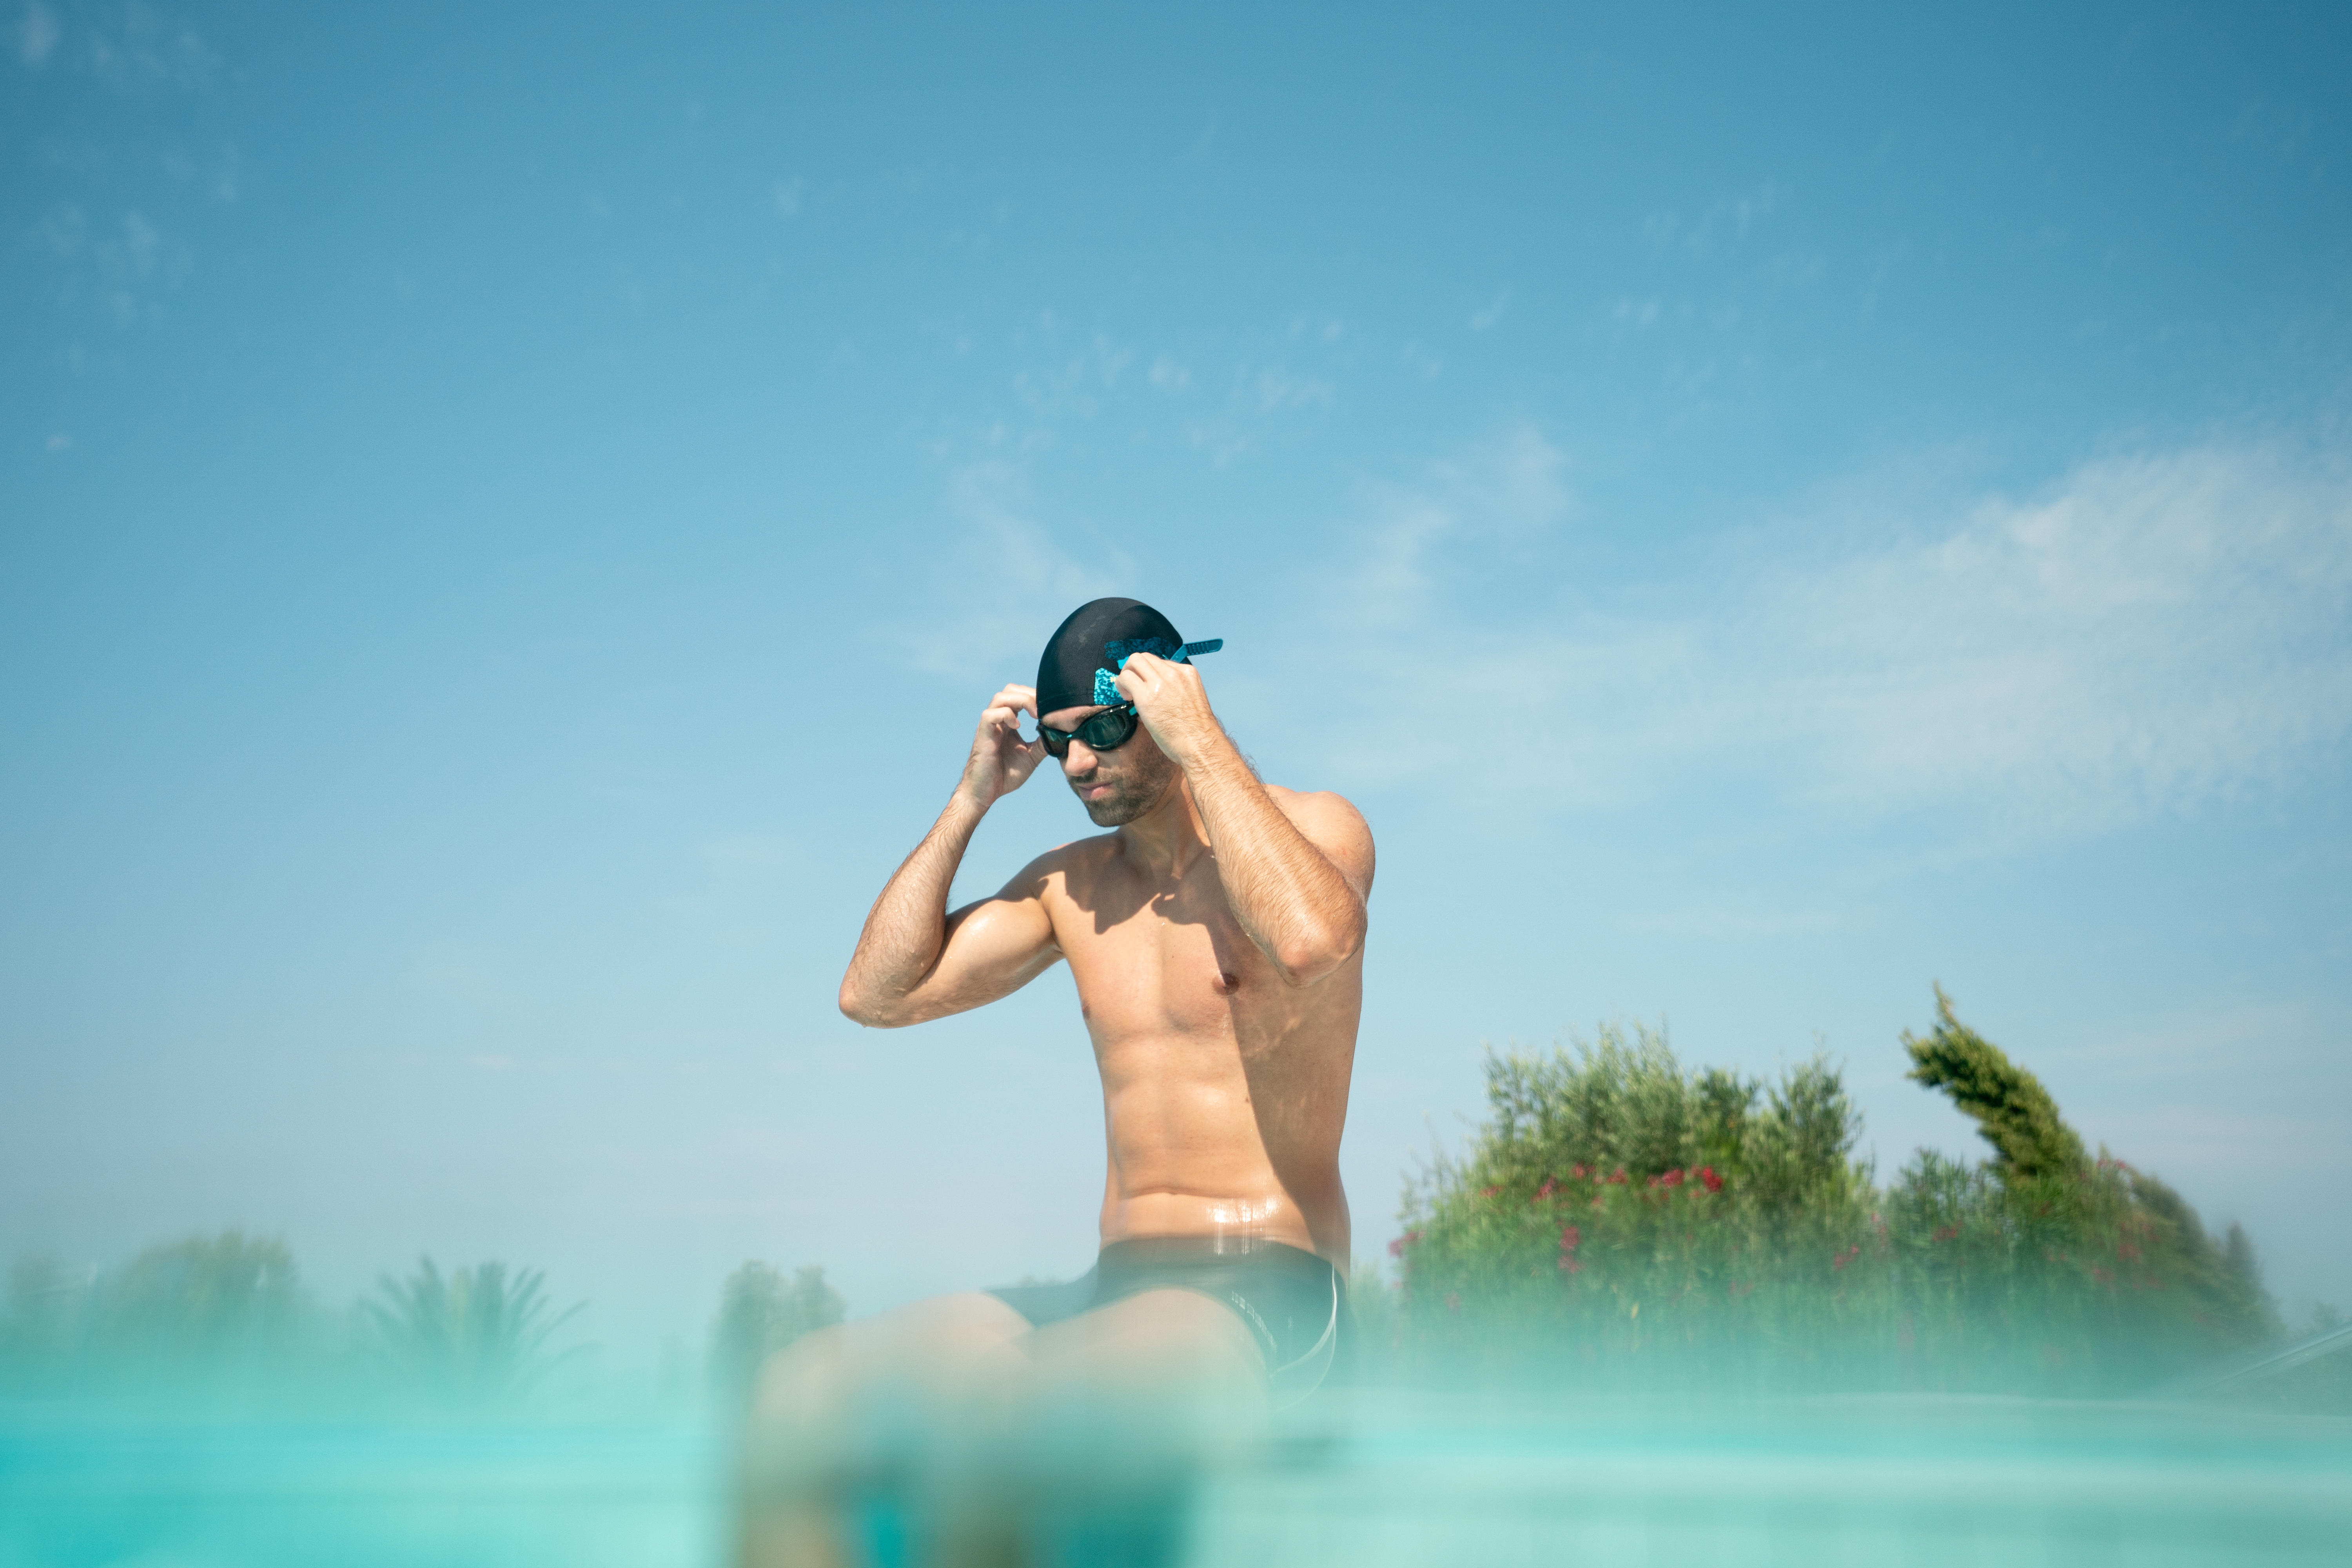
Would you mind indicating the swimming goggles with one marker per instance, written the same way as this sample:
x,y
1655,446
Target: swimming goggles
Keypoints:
x,y
1114,726
1105,732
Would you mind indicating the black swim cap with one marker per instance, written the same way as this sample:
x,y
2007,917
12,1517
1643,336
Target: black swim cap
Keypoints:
x,y
1082,656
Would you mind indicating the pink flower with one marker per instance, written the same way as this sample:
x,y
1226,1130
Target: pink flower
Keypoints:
x,y
1672,1178
1571,1264
1569,1238
1618,1180
1545,1190
1713,1183
1488,1191
1578,1171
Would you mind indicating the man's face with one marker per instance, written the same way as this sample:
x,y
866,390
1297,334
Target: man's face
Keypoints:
x,y
1118,785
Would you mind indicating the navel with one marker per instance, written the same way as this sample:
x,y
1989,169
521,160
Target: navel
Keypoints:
x,y
1227,980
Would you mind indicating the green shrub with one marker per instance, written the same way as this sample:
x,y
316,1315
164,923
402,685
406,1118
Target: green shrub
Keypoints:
x,y
206,1315
1621,1219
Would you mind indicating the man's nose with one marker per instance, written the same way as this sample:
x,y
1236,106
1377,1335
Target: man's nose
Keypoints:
x,y
1078,760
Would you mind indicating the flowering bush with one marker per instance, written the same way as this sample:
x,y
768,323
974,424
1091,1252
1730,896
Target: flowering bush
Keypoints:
x,y
1625,1219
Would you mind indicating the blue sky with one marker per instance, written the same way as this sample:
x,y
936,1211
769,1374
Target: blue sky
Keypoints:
x,y
507,517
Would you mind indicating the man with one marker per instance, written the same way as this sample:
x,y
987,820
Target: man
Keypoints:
x,y
1216,937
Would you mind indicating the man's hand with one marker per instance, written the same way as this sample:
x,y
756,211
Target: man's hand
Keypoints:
x,y
1171,702
1001,760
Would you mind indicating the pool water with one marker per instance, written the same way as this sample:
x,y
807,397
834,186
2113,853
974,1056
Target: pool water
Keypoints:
x,y
87,1490
1363,1482
1874,1480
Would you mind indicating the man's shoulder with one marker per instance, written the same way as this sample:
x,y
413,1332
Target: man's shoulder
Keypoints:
x,y
1077,856
1332,823
1304,806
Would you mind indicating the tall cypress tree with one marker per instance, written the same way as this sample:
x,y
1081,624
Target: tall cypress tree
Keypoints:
x,y
2011,1110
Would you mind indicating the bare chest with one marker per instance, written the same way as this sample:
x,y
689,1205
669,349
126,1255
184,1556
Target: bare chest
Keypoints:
x,y
1167,959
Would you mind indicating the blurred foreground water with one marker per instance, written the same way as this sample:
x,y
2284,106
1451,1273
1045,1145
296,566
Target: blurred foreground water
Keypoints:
x,y
94,1487
1364,1478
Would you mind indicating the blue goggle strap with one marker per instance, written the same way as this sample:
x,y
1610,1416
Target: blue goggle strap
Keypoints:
x,y
1107,694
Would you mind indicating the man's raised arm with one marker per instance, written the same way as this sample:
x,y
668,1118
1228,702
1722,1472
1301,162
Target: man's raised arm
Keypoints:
x,y
914,960
1296,883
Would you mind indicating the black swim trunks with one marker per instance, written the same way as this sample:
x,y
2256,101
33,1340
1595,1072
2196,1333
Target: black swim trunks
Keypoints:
x,y
1294,1303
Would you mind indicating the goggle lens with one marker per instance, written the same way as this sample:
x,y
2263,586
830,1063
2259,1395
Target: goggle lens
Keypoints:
x,y
1103,732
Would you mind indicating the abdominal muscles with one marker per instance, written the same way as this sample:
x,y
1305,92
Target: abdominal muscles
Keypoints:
x,y
1210,1134
1224,1089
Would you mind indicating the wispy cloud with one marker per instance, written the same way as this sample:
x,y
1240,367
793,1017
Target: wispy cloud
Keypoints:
x,y
123,267
1638,314
37,35
1728,217
1077,384
2151,631
1277,388
1396,580
1261,394
982,602
144,47
1224,407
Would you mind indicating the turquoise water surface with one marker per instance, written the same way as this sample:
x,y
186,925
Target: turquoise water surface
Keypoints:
x,y
1369,1480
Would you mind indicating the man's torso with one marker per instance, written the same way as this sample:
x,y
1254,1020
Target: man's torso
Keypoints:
x,y
1224,1089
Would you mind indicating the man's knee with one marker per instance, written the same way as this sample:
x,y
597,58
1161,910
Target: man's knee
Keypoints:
x,y
972,1325
932,1347
802,1375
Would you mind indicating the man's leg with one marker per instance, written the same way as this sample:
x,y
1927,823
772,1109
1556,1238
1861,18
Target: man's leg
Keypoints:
x,y
989,1425
841,1404
1119,1411
1164,1346
1143,1389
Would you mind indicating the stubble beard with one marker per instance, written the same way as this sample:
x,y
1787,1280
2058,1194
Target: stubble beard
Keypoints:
x,y
1131,796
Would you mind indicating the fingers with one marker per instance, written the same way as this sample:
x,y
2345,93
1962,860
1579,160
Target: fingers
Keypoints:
x,y
1018,698
1142,675
1136,675
1004,709
1152,666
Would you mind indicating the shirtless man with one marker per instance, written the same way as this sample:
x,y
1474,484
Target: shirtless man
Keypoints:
x,y
1216,936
